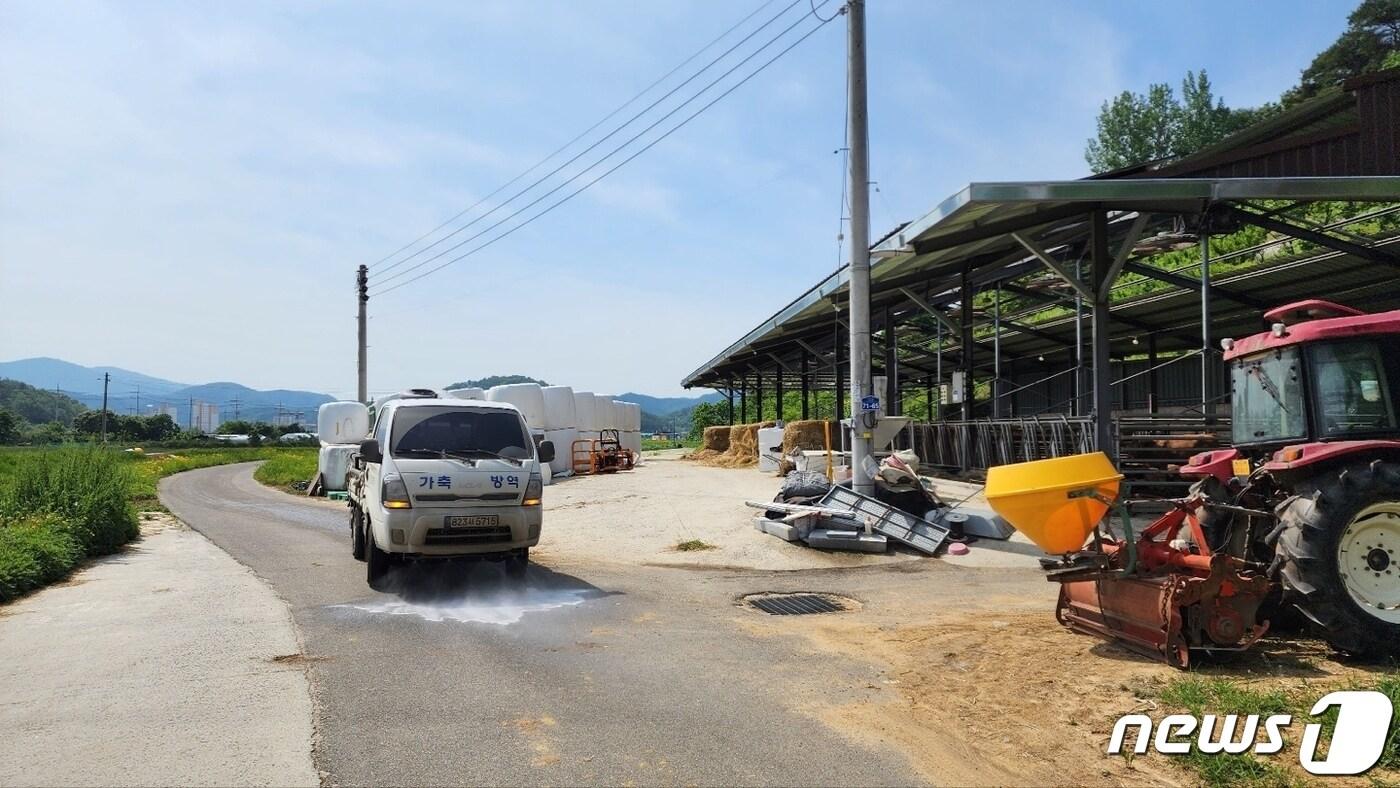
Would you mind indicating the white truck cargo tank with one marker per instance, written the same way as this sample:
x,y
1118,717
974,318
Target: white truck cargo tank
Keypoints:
x,y
467,393
342,423
527,398
333,462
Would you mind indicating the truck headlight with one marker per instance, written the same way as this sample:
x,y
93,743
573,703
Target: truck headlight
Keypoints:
x,y
534,491
394,493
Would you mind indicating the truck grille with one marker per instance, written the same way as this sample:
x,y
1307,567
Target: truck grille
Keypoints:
x,y
483,535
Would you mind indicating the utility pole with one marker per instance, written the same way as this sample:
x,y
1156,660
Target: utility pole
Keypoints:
x,y
106,379
362,289
138,399
236,402
191,413
858,134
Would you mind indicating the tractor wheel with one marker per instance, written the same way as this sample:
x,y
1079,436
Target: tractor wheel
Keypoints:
x,y
1337,556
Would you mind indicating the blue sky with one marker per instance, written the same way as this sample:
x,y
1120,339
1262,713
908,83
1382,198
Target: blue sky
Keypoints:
x,y
186,188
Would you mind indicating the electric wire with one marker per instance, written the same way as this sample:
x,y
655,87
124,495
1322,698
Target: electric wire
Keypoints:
x,y
616,150
615,167
580,136
593,146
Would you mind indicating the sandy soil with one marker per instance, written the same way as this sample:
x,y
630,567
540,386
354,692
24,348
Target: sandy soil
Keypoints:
x,y
640,516
998,693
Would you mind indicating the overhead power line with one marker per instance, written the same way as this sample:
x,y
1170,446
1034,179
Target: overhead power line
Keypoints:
x,y
585,133
821,23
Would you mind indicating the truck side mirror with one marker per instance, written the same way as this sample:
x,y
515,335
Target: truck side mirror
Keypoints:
x,y
370,451
546,451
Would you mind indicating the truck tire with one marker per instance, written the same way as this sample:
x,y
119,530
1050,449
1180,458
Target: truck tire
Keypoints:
x,y
357,533
1338,543
376,562
518,564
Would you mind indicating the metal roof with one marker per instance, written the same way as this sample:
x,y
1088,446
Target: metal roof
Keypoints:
x,y
973,230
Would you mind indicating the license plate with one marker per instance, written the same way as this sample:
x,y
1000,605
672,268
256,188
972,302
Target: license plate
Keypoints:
x,y
471,520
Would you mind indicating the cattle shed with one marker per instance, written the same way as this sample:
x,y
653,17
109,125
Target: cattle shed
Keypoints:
x,y
1031,319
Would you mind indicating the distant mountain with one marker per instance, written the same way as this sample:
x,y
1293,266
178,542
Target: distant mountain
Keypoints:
x,y
37,405
493,380
70,378
133,392
665,406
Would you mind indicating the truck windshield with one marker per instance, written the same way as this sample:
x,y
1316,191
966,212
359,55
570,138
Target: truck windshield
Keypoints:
x,y
459,431
1268,398
1354,394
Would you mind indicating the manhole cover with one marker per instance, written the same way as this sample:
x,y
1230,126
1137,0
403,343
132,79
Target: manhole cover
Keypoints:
x,y
802,604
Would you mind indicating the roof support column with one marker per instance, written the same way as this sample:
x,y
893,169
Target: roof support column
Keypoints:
x,y
1101,264
893,406
969,388
996,352
840,381
938,374
1077,405
729,395
1152,374
1207,401
778,392
806,388
758,392
744,399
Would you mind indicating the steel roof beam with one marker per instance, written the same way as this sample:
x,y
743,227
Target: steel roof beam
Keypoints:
x,y
1372,253
1188,283
1054,265
1129,241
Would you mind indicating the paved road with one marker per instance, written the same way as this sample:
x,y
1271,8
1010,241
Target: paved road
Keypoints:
x,y
589,674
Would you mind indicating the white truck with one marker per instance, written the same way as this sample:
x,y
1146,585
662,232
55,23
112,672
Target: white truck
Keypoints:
x,y
446,478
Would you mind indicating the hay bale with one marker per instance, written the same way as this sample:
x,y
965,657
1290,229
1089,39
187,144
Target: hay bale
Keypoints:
x,y
716,439
743,440
809,436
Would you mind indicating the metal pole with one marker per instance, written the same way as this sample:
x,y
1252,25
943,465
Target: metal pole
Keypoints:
x,y
758,388
893,405
806,388
1152,374
778,393
996,352
730,397
744,400
1207,403
362,296
1077,405
938,373
1100,261
106,379
858,132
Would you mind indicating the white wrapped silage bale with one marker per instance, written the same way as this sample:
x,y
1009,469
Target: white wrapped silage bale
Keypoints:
x,y
527,398
470,392
563,441
559,410
585,419
602,412
333,462
342,422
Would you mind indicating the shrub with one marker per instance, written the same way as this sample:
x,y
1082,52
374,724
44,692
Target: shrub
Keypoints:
x,y
35,551
86,487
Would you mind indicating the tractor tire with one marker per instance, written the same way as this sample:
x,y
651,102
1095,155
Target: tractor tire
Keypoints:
x,y
1338,540
357,533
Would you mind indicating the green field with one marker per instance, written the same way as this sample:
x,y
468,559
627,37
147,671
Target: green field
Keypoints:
x,y
61,506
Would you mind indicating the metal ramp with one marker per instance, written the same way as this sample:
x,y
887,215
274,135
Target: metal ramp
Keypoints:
x,y
918,533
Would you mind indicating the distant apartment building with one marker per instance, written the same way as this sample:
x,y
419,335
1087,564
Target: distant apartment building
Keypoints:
x,y
204,417
167,410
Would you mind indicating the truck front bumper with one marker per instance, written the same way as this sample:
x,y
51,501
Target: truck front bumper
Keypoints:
x,y
425,531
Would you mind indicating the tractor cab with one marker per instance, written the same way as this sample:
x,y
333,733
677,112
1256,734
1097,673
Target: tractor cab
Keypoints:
x,y
1331,375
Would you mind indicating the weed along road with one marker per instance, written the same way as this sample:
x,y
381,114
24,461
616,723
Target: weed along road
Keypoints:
x,y
588,673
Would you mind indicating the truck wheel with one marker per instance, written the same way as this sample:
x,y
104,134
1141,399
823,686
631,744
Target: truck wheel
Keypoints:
x,y
376,562
357,533
518,564
1337,554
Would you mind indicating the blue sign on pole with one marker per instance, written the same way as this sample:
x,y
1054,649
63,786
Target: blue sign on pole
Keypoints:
x,y
869,404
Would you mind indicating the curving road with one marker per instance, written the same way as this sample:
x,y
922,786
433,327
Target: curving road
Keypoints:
x,y
587,674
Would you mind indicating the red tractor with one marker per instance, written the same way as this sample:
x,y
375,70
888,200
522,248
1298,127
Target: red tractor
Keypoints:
x,y
1303,512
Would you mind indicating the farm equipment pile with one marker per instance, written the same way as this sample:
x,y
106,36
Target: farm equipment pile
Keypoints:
x,y
1303,512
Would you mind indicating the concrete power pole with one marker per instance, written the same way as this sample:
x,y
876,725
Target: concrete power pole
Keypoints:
x,y
858,133
362,289
106,379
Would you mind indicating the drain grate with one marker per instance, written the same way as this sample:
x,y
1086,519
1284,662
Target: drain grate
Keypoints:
x,y
796,604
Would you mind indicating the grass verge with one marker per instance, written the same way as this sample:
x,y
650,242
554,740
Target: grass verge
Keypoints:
x,y
1221,696
61,506
286,468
